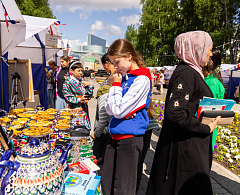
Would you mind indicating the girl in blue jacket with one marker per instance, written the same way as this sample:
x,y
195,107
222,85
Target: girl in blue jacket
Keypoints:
x,y
128,103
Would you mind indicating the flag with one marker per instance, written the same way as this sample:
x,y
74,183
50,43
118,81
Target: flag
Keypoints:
x,y
58,23
68,47
5,15
51,31
70,54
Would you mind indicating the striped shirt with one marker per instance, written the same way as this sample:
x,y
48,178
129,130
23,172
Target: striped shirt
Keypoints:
x,y
102,118
72,88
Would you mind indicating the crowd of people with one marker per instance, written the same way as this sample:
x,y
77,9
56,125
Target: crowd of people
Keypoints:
x,y
125,118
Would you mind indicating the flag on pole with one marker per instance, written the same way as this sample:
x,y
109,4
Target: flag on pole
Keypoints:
x,y
58,23
68,47
6,15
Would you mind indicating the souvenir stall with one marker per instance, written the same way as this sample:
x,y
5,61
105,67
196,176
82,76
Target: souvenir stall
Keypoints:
x,y
47,152
42,41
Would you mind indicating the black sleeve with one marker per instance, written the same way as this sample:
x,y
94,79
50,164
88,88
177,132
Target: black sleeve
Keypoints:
x,y
177,111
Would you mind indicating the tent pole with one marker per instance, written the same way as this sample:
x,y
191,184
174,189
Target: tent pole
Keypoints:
x,y
1,64
43,78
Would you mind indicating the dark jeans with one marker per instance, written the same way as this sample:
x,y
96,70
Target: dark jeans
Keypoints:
x,y
146,144
120,166
100,145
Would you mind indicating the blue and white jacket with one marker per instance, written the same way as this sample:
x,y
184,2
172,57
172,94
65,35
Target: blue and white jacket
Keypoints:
x,y
124,99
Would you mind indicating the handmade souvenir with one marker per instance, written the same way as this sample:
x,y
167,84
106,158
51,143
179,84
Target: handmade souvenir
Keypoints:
x,y
34,171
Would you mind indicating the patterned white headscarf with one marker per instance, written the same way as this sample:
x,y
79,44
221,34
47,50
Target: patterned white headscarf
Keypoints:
x,y
192,47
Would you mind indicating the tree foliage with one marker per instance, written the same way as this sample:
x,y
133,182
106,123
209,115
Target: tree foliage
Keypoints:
x,y
162,20
131,34
38,8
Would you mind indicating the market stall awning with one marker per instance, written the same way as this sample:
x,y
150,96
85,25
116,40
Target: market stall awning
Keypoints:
x,y
31,48
11,34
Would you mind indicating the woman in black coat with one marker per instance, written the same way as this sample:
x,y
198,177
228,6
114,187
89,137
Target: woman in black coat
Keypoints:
x,y
183,156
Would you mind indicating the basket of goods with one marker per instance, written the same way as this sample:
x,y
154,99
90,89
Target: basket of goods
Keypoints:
x,y
4,121
62,126
65,117
20,121
52,110
47,117
64,121
37,131
16,111
66,113
11,116
24,115
16,129
43,123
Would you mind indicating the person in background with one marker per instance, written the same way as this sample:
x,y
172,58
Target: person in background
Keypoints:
x,y
86,74
161,81
61,75
101,134
74,90
183,157
214,81
109,67
130,93
51,85
158,83
153,77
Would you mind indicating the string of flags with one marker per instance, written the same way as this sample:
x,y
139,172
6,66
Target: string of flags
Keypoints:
x,y
233,68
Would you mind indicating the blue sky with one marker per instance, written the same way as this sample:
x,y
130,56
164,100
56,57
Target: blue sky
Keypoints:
x,y
107,19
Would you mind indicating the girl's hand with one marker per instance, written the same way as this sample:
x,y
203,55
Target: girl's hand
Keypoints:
x,y
85,98
93,135
117,77
86,83
213,125
75,110
131,116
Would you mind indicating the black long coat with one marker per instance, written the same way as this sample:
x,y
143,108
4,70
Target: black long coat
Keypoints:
x,y
183,156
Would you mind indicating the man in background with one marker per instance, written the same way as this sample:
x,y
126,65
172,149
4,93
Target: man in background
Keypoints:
x,y
86,74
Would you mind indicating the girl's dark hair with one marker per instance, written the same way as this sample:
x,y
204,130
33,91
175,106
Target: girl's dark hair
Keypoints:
x,y
76,65
105,59
216,62
121,48
65,58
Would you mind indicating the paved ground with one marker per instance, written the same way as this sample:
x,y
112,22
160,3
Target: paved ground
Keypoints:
x,y
223,181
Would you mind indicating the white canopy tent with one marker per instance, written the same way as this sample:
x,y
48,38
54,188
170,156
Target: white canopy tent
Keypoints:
x,y
12,32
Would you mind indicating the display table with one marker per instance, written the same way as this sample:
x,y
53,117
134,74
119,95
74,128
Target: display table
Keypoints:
x,y
56,129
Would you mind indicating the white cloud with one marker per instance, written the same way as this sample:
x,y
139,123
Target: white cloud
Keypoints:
x,y
92,32
84,43
98,26
73,43
128,20
113,30
83,16
91,5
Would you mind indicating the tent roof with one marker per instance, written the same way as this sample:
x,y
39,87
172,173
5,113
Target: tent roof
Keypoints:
x,y
15,33
30,48
12,11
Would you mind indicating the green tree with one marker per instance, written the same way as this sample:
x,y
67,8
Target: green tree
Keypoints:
x,y
131,35
38,8
162,20
157,31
